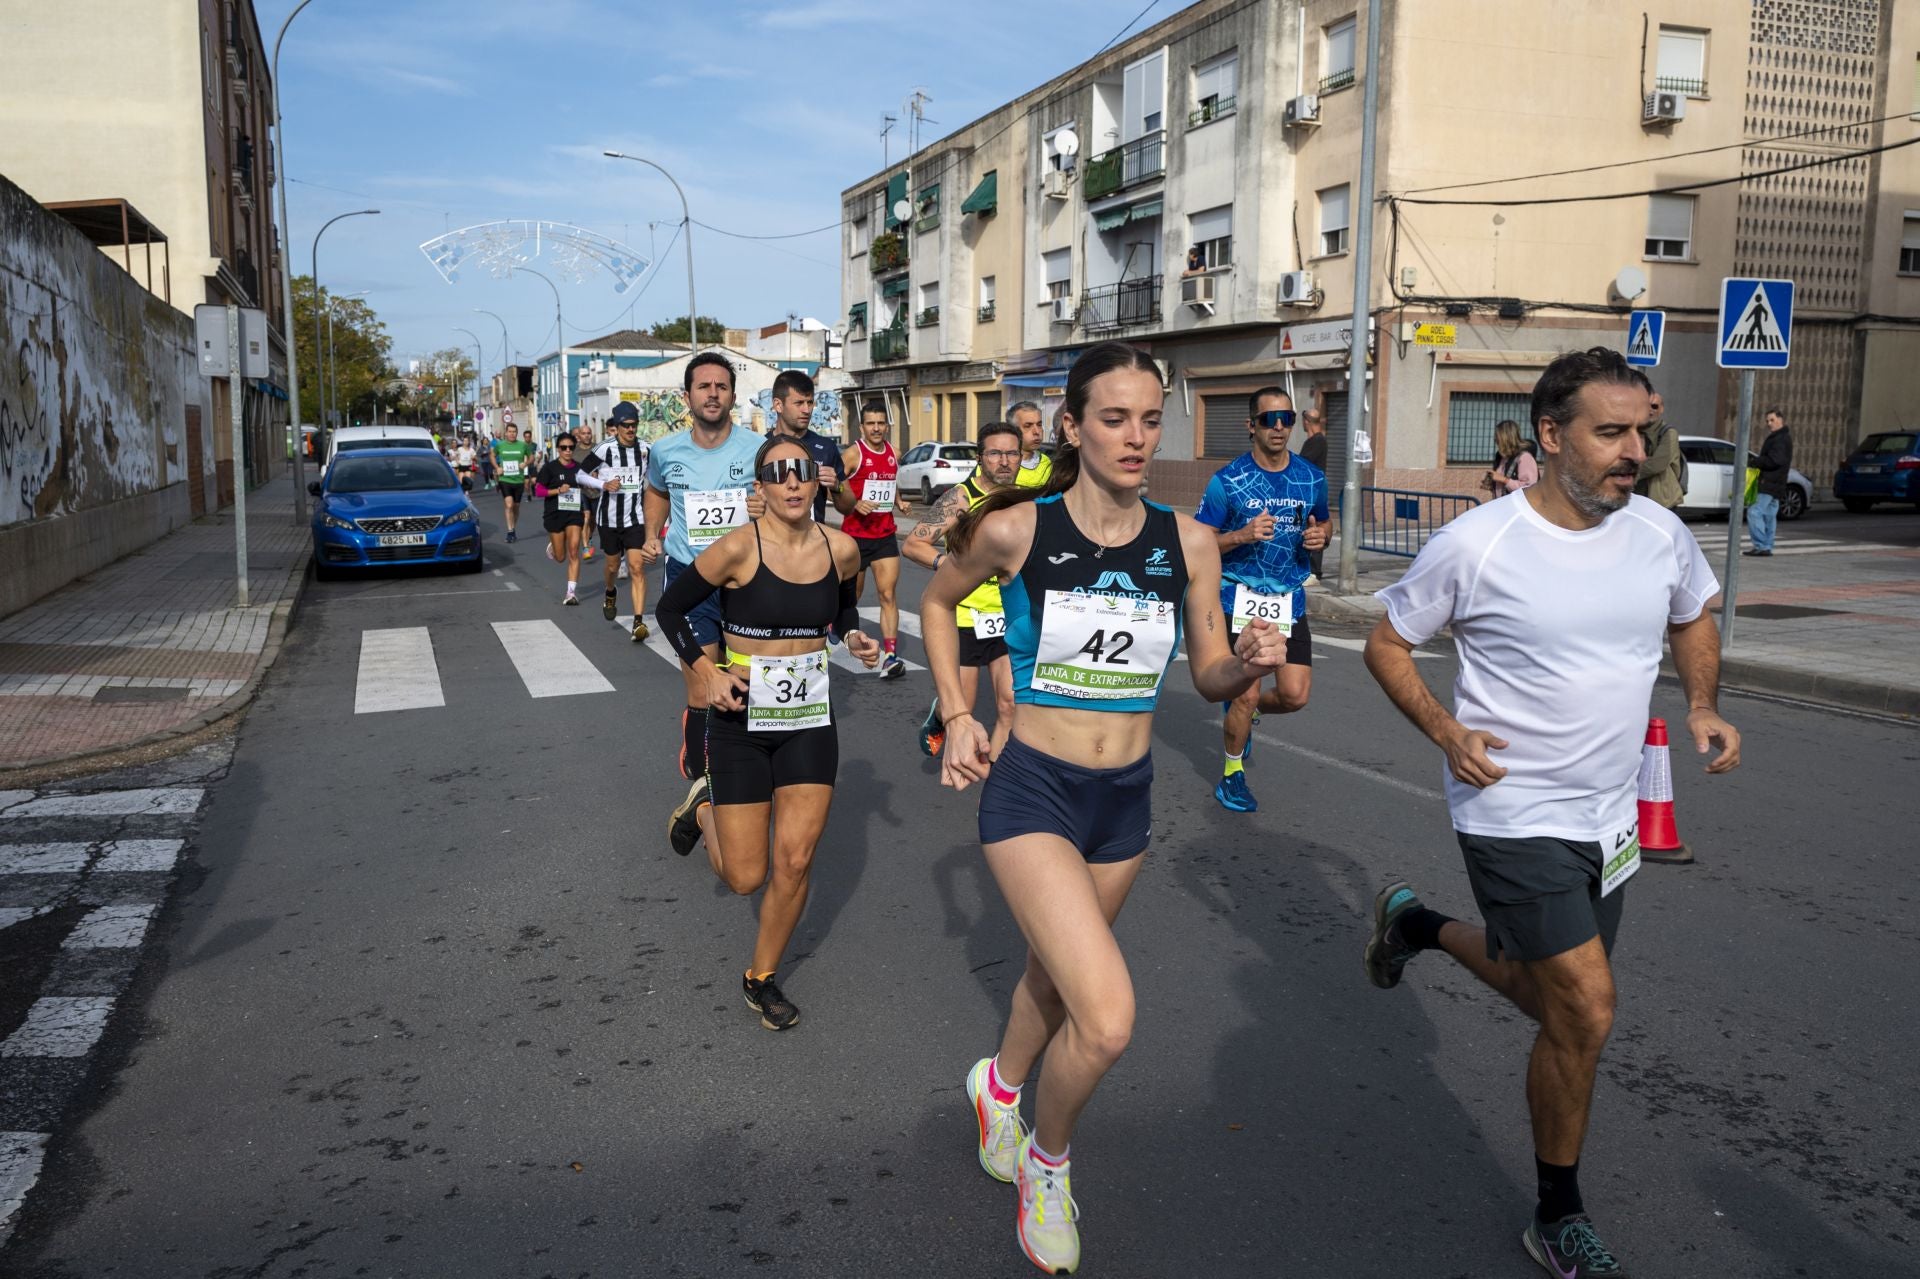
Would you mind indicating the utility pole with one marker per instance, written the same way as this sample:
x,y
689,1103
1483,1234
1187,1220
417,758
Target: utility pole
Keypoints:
x,y
1349,571
1736,508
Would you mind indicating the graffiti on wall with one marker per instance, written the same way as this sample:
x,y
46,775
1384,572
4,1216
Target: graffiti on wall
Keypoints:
x,y
826,411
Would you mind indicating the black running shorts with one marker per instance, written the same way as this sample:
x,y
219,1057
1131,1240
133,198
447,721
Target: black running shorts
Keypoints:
x,y
512,492
616,541
558,521
1299,643
747,768
886,547
975,651
1539,896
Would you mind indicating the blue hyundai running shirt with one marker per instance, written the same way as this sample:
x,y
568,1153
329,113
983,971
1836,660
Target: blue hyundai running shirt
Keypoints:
x,y
1241,490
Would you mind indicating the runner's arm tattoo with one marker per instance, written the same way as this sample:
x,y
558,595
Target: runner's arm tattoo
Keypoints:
x,y
949,509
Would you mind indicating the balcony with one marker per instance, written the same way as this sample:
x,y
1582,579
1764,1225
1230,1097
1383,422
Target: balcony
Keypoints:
x,y
1337,81
888,344
887,253
1138,161
1676,84
1128,304
927,317
249,276
986,313
1210,110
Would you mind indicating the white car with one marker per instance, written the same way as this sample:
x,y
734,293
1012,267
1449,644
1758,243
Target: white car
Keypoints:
x,y
1710,479
931,469
347,438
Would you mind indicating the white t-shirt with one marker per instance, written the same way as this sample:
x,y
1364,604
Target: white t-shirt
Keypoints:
x,y
463,456
1560,635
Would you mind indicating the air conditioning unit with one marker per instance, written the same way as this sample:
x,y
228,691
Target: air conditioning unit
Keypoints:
x,y
1296,288
1197,291
1057,183
1303,110
1663,108
1063,311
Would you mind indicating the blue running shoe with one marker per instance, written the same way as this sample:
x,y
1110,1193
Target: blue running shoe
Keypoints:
x,y
1387,953
1569,1249
1234,796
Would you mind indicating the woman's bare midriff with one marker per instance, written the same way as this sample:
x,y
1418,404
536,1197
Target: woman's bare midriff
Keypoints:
x,y
1091,739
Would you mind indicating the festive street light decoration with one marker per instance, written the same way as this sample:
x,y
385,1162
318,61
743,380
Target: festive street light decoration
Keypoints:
x,y
572,252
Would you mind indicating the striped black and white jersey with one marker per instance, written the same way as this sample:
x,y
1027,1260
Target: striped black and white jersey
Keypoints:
x,y
621,509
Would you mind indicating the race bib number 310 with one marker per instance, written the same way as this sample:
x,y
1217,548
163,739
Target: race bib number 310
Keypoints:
x,y
788,693
714,513
1103,647
877,493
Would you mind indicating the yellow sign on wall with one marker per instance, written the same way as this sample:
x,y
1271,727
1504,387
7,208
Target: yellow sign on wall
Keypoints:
x,y
631,397
1434,334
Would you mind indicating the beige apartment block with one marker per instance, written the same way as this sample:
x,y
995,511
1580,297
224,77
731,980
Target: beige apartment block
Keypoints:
x,y
162,110
1541,169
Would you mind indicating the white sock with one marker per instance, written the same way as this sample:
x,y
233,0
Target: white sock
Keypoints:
x,y
1051,1161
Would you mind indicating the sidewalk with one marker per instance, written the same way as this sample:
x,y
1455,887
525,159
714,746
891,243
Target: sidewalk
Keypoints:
x,y
1824,619
151,647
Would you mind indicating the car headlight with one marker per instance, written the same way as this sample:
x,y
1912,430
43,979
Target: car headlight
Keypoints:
x,y
463,516
329,520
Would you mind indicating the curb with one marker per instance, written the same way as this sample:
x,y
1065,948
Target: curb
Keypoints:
x,y
1363,609
105,756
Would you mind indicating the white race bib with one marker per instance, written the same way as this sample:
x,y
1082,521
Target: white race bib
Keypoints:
x,y
712,514
510,470
1251,605
878,493
1103,647
1622,853
570,500
630,477
989,625
788,693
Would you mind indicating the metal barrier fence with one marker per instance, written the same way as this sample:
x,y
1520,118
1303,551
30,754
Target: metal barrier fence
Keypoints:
x,y
1399,521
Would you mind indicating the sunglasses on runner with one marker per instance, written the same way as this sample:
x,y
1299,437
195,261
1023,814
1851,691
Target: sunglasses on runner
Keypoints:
x,y
1274,418
802,469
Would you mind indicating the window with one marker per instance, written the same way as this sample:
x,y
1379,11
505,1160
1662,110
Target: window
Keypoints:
x,y
857,318
1051,157
1910,243
1670,228
1682,64
1210,237
1333,220
1057,268
1215,82
1144,97
210,78
926,209
986,297
929,312
862,235
1471,417
1336,54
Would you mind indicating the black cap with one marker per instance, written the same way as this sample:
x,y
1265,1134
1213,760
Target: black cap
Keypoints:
x,y
624,414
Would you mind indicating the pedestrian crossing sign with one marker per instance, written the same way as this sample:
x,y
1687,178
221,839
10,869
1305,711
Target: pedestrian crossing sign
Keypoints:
x,y
1756,323
1646,331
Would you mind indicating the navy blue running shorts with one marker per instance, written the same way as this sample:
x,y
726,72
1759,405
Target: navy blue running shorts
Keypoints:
x,y
705,617
1105,813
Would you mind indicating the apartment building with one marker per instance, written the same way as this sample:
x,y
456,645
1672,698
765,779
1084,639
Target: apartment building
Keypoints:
x,y
148,120
1541,169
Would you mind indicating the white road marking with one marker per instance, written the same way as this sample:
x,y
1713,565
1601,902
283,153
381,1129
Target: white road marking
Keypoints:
x,y
59,1026
20,1157
42,859
11,915
654,641
11,797
1360,646
1358,770
397,671
125,856
113,803
909,622
111,926
548,662
68,857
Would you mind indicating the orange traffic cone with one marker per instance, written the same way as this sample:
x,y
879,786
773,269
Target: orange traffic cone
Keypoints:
x,y
1659,839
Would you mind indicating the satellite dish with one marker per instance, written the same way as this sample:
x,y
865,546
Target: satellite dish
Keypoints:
x,y
1066,142
1630,283
902,211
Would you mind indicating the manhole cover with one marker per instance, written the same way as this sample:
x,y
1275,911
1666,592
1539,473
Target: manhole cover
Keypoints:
x,y
122,693
1782,612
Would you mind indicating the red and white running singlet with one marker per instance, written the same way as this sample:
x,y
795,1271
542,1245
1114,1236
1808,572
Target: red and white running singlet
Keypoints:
x,y
873,482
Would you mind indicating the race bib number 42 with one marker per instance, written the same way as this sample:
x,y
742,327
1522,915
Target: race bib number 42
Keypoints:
x,y
1622,852
1103,647
788,693
714,513
1252,606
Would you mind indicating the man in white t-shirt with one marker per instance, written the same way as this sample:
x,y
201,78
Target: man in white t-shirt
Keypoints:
x,y
1559,597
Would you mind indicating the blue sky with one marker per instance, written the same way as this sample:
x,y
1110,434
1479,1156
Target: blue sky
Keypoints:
x,y
449,113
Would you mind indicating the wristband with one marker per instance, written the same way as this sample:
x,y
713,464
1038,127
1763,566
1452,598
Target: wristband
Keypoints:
x,y
956,715
936,560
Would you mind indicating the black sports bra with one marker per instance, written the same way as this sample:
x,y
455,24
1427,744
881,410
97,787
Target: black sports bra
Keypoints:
x,y
771,607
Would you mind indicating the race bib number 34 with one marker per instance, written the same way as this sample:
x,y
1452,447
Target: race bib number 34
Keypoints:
x,y
788,693
1103,647
714,513
1622,852
1252,606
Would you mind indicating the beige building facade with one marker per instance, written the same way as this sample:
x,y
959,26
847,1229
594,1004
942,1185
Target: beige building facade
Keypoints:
x,y
1542,169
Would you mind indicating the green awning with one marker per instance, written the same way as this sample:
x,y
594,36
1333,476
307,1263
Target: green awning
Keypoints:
x,y
1111,219
857,315
896,192
986,196
895,288
1145,209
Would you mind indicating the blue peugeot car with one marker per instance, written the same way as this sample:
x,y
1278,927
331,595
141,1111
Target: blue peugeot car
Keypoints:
x,y
392,506
1884,467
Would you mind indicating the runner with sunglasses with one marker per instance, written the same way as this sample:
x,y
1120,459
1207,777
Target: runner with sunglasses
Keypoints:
x,y
1270,509
786,586
1095,582
562,517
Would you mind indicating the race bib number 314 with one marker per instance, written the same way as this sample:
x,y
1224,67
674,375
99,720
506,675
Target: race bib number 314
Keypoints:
x,y
1103,647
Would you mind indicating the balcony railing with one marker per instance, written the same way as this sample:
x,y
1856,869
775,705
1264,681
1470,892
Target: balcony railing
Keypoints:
x,y
986,313
1103,174
887,253
1142,159
929,217
1338,80
1127,304
1211,109
888,344
1674,84
927,317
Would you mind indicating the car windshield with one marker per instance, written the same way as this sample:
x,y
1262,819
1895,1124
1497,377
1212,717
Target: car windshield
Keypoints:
x,y
345,445
1891,443
389,475
961,452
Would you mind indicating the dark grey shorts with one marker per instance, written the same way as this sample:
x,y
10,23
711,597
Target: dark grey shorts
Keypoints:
x,y
1540,896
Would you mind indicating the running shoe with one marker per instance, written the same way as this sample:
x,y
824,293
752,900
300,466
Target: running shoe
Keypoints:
x,y
512,536
640,631
933,734
586,552
891,667
777,1012
1233,794
1387,954
1001,1130
683,828
610,606
1047,1213
571,599
1569,1249
551,555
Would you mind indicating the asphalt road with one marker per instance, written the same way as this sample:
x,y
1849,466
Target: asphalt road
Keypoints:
x,y
432,997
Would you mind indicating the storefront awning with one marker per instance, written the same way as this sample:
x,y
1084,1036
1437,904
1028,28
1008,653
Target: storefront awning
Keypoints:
x,y
1111,219
1057,378
986,197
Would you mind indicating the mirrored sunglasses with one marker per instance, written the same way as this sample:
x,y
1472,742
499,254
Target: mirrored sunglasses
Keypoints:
x,y
802,469
1274,417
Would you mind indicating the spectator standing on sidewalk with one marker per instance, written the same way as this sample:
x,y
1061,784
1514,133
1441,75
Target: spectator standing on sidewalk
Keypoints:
x,y
1663,476
1314,449
1775,463
1513,466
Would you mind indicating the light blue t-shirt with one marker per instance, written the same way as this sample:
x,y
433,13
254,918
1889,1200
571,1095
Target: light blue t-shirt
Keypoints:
x,y
1237,493
677,466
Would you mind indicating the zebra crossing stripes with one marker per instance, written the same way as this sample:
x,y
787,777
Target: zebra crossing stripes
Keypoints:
x,y
397,671
549,663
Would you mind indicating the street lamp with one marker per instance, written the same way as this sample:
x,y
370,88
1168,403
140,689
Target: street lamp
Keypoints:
x,y
506,343
686,229
333,369
560,345
316,280
479,362
286,281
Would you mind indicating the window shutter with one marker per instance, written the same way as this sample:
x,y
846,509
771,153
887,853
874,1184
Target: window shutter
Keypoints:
x,y
1670,217
1211,224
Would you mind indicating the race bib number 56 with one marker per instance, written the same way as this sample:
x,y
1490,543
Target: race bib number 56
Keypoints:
x,y
714,513
1103,647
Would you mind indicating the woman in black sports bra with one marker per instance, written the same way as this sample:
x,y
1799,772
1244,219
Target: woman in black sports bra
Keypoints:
x,y
786,589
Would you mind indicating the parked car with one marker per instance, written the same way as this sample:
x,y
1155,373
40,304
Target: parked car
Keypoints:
x,y
932,469
392,506
1710,479
1884,467
348,438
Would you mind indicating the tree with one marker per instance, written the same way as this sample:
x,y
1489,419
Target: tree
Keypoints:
x,y
362,353
419,396
712,331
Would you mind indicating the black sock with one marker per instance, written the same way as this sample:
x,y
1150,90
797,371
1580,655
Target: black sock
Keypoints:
x,y
1420,928
1559,1190
695,737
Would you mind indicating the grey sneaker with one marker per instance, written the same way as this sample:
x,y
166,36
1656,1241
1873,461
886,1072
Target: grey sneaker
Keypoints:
x,y
1387,954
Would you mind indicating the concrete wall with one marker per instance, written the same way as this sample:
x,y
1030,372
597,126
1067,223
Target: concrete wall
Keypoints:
x,y
98,379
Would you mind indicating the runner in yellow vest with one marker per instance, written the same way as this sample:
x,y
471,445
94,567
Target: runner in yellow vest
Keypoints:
x,y
1036,468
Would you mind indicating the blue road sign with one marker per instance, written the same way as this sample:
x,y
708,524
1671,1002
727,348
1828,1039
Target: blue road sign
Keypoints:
x,y
1646,332
1756,323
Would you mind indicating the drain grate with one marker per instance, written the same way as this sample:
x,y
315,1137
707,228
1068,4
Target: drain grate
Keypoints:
x,y
122,693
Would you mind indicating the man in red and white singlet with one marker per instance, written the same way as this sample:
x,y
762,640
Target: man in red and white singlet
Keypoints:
x,y
867,500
